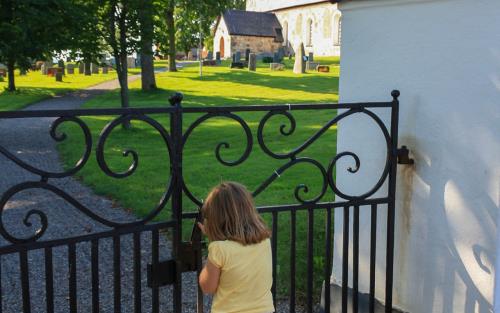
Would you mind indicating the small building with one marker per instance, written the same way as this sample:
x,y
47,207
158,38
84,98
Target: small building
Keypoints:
x,y
238,30
446,63
315,23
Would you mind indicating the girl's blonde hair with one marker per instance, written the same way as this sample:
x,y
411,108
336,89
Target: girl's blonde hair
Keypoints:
x,y
230,214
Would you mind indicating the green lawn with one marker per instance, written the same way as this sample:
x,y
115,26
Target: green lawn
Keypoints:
x,y
35,87
221,86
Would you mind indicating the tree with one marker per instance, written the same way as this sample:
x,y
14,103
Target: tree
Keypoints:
x,y
120,26
172,52
27,32
146,16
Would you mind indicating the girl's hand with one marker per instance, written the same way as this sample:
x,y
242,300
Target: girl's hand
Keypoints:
x,y
202,228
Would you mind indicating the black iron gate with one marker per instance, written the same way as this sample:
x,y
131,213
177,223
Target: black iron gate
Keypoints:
x,y
146,236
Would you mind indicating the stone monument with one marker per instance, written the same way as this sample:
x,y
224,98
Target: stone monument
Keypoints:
x,y
70,68
300,65
217,58
252,62
94,68
81,68
247,55
310,57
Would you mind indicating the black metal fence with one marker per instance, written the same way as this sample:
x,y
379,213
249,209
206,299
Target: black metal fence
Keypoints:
x,y
160,270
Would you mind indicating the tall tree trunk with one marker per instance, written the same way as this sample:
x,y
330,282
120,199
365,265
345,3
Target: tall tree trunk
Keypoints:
x,y
171,37
147,28
10,70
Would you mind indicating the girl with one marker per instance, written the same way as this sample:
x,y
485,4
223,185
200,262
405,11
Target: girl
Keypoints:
x,y
239,267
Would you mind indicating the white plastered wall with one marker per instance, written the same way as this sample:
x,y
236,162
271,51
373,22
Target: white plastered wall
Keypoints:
x,y
222,31
444,57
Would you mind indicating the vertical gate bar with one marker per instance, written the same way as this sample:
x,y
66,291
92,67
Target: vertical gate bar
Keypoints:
x,y
328,256
373,255
25,283
293,221
137,273
345,259
391,204
1,302
199,266
94,256
49,280
310,238
72,277
176,170
155,292
117,283
274,246
355,259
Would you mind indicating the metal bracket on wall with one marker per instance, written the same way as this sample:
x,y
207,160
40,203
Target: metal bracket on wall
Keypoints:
x,y
403,156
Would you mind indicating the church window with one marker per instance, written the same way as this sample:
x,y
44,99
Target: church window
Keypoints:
x,y
309,32
285,33
337,33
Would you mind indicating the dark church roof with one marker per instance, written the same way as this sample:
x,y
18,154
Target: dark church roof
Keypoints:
x,y
248,23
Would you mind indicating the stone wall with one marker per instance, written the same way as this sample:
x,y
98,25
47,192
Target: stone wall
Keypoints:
x,y
258,45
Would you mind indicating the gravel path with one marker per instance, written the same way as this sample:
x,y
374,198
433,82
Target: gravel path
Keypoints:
x,y
29,140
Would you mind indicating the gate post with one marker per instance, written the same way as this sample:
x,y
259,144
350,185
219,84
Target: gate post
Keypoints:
x,y
392,201
176,172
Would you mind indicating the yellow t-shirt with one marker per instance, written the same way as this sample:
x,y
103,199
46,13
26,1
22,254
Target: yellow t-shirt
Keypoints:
x,y
246,277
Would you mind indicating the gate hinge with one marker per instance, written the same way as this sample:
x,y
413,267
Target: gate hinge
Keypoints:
x,y
165,272
403,156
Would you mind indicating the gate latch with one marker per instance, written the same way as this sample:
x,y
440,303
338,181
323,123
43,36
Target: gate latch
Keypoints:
x,y
403,156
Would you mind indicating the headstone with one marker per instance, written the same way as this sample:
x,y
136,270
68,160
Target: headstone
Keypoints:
x,y
105,69
130,62
300,65
310,58
190,55
94,68
210,55
247,55
237,65
276,58
311,66
217,58
281,53
81,68
209,63
323,68
59,76
87,69
45,67
237,56
276,66
70,68
252,62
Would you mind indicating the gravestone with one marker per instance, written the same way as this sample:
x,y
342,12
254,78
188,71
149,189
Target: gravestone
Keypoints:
x,y
237,65
130,62
59,76
247,55
105,69
281,53
81,68
323,68
94,68
276,58
190,55
300,65
237,56
311,66
87,69
217,58
252,62
310,58
45,67
210,55
70,68
276,67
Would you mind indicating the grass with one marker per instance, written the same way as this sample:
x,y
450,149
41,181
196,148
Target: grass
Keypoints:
x,y
221,86
35,87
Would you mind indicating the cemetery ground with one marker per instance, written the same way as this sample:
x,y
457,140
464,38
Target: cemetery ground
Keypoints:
x,y
221,86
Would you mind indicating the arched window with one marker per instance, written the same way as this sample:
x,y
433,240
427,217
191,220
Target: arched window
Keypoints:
x,y
285,33
309,32
337,30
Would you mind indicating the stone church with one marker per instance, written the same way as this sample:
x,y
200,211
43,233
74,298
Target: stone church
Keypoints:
x,y
266,26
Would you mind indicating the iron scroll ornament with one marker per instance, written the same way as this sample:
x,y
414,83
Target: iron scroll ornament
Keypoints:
x,y
44,184
293,155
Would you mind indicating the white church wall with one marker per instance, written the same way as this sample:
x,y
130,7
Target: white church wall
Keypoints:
x,y
222,32
323,33
444,57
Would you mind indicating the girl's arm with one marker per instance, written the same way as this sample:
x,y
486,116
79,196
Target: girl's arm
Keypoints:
x,y
209,278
